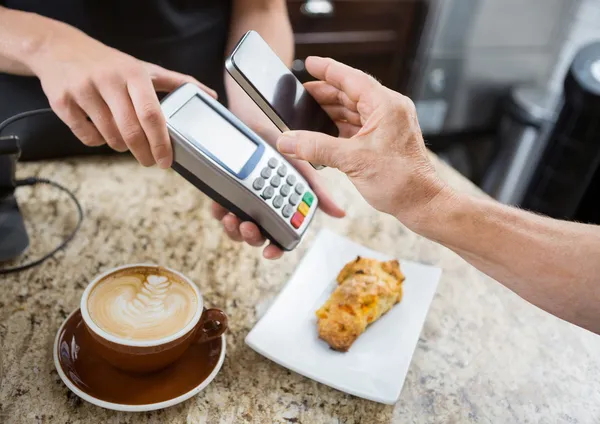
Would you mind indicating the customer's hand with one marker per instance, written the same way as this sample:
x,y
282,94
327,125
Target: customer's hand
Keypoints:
x,y
84,78
381,149
248,231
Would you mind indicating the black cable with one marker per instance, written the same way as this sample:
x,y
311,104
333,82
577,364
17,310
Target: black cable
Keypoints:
x,y
22,115
33,181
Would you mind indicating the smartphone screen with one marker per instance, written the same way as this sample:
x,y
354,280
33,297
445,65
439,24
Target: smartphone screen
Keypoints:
x,y
271,79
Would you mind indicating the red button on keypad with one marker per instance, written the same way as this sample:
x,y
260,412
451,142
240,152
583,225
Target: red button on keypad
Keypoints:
x,y
297,220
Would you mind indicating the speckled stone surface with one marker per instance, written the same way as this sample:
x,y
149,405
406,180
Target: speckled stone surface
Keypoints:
x,y
485,355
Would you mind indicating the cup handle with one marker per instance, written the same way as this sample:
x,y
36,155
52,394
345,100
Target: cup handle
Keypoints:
x,y
212,325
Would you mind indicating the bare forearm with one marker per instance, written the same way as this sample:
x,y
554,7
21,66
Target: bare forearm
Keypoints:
x,y
269,19
21,35
551,263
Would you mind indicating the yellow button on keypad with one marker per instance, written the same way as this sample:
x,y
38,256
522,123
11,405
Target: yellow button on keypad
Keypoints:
x,y
303,208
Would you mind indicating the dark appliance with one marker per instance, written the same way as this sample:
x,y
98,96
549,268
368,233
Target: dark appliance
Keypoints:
x,y
528,112
566,184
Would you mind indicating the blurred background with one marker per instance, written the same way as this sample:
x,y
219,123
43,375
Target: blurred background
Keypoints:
x,y
507,91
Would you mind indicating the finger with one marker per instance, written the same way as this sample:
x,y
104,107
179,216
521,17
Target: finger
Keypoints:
x,y
251,234
231,223
117,98
267,131
71,114
347,130
326,94
145,102
354,83
272,252
326,202
341,113
165,80
313,147
92,103
218,211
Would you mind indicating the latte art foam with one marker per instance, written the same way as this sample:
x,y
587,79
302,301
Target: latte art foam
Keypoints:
x,y
140,306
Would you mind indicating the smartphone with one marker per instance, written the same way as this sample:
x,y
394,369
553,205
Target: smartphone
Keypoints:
x,y
275,89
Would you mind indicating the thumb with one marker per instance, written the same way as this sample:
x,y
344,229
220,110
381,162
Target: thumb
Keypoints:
x,y
316,148
165,80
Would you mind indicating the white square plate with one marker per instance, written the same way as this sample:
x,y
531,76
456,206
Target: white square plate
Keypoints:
x,y
376,365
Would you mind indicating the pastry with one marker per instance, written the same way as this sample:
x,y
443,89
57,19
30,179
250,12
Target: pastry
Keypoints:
x,y
366,290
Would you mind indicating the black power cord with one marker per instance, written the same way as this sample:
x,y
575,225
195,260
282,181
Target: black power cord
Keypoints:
x,y
22,115
34,181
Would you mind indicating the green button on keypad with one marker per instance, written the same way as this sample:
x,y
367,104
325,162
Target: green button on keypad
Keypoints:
x,y
308,198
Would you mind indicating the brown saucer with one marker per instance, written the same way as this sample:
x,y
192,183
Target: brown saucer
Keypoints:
x,y
93,379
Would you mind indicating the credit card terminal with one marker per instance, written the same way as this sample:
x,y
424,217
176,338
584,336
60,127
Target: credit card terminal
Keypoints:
x,y
226,160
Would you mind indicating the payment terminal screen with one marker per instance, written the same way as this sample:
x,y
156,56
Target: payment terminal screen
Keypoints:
x,y
200,124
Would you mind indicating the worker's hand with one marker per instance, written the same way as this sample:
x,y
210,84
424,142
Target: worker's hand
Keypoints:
x,y
106,96
381,148
248,231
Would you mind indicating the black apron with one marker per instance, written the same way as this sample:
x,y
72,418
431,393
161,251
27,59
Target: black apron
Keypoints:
x,y
187,36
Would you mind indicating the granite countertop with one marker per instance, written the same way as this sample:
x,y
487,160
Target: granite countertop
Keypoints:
x,y
484,356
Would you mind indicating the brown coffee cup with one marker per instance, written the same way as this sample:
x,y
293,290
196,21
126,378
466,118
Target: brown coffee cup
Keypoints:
x,y
142,356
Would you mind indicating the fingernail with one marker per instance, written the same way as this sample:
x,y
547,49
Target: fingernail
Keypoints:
x,y
245,233
120,147
287,143
163,163
229,226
